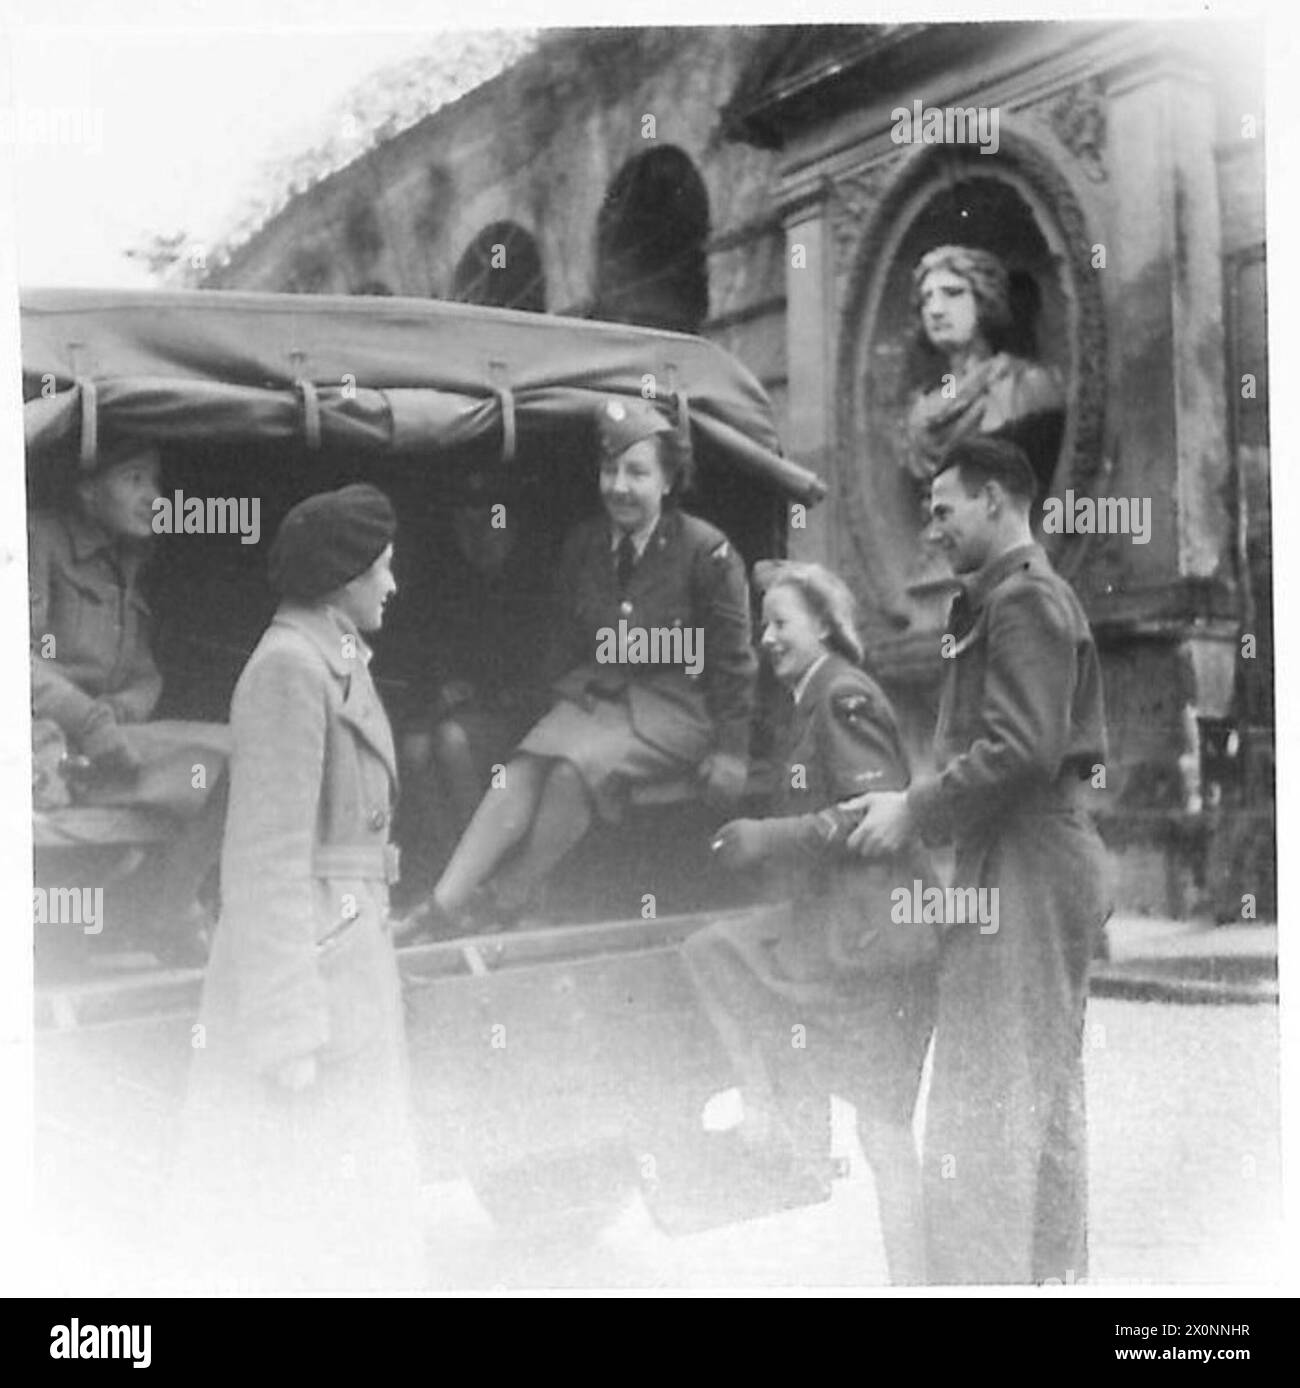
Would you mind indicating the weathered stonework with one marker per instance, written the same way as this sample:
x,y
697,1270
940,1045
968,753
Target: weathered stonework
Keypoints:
x,y
856,199
1134,165
1078,117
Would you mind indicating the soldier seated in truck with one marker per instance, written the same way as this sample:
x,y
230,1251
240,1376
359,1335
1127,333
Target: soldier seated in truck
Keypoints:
x,y
95,684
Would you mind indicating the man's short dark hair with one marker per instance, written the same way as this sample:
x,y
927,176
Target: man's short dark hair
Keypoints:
x,y
983,458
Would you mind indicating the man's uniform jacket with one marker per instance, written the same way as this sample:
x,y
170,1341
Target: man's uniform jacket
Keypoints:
x,y
321,1182
1021,727
85,594
689,575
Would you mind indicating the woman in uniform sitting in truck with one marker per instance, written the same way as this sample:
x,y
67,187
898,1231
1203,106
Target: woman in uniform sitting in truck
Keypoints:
x,y
836,965
653,637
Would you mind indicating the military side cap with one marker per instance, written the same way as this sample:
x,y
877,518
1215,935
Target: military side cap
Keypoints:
x,y
621,422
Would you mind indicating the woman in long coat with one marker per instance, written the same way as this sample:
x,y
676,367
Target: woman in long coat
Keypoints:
x,y
858,988
298,1142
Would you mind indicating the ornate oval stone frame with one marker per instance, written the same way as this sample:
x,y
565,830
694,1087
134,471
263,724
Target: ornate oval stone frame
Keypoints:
x,y
909,182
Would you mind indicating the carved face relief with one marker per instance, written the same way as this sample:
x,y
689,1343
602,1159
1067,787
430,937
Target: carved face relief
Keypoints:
x,y
949,313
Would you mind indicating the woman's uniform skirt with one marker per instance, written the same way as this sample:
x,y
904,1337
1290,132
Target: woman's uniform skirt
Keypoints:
x,y
604,748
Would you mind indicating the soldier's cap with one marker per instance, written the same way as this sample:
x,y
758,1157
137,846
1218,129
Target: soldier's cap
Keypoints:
x,y
329,539
115,454
622,421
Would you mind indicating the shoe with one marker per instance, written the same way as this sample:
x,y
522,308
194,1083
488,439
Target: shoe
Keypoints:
x,y
496,916
187,946
428,922
500,920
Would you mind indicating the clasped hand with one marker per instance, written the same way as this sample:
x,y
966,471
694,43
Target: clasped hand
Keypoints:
x,y
886,824
723,778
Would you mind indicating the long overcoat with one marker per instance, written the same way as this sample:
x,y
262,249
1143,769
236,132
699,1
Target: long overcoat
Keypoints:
x,y
1020,734
315,1188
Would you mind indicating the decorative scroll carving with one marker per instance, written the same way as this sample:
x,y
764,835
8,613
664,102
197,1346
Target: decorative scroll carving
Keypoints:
x,y
855,199
1078,116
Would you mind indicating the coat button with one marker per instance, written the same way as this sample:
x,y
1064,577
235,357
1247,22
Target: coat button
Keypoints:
x,y
378,819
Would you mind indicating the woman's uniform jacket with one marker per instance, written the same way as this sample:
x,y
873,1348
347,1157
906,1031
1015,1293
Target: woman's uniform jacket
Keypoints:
x,y
859,983
842,740
689,575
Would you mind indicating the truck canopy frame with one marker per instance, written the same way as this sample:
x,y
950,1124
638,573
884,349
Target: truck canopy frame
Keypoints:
x,y
410,378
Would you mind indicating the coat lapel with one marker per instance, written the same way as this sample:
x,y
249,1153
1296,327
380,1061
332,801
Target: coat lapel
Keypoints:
x,y
659,553
363,712
360,707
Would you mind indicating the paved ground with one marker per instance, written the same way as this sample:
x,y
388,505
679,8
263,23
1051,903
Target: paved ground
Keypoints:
x,y
1184,1115
1188,961
1183,1104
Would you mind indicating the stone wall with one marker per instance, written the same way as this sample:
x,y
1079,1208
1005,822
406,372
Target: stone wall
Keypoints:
x,y
1133,154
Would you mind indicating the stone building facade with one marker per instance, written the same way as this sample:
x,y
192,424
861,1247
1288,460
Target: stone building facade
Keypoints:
x,y
755,185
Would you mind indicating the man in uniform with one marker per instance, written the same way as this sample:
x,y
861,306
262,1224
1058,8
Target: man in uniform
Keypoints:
x,y
1021,729
94,677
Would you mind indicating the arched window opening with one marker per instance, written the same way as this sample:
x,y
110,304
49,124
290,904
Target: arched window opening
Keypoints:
x,y
651,233
502,267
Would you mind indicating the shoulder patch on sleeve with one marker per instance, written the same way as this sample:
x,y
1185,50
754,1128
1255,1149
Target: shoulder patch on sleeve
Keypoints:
x,y
848,697
852,703
856,708
857,713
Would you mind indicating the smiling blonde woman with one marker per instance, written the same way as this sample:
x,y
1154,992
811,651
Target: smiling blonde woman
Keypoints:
x,y
862,988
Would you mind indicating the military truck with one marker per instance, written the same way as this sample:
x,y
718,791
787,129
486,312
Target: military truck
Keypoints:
x,y
559,1066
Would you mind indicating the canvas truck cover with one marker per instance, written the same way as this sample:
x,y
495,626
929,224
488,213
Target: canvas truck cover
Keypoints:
x,y
407,377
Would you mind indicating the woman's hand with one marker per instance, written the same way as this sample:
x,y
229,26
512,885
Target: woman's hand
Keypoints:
x,y
724,778
886,825
108,747
297,1074
741,843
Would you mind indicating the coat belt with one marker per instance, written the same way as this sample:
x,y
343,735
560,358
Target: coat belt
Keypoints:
x,y
367,861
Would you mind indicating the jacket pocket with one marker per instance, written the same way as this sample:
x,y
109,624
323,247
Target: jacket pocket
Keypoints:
x,y
85,620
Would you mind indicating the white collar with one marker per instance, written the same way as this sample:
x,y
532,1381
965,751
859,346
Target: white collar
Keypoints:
x,y
805,679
